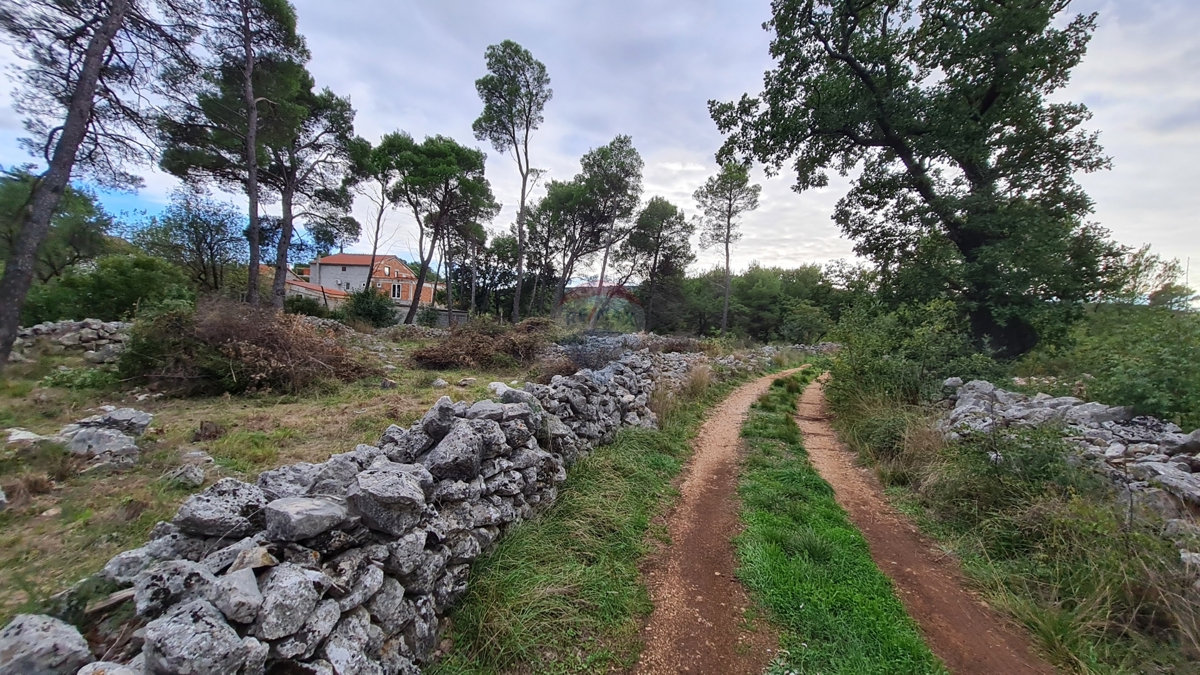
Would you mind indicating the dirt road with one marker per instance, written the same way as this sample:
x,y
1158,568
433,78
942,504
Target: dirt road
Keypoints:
x,y
969,637
698,624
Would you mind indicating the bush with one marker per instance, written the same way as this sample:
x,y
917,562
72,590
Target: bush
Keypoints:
x,y
905,355
1145,357
81,378
226,346
483,344
299,304
372,307
427,317
114,290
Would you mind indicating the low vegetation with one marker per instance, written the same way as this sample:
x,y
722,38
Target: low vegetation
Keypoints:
x,y
486,344
562,594
230,347
808,565
1049,542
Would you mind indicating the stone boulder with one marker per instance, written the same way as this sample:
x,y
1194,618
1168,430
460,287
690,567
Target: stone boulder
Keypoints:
x,y
296,518
229,508
290,593
389,497
237,596
34,643
458,455
193,639
171,582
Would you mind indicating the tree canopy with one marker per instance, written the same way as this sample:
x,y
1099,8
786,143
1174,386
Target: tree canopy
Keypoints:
x,y
965,185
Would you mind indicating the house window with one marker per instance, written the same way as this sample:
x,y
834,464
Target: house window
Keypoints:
x,y
343,268
387,271
395,291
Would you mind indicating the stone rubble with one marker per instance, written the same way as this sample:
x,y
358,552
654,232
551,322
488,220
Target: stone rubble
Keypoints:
x,y
100,341
1151,462
108,440
348,567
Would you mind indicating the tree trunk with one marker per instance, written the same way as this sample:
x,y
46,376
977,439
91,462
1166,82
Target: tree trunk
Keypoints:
x,y
48,190
516,310
474,277
600,288
725,312
416,300
252,233
449,281
279,287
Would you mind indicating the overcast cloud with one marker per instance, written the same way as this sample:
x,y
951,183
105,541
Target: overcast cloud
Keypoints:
x,y
647,68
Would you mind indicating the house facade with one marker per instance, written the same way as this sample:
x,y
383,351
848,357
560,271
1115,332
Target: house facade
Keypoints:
x,y
349,272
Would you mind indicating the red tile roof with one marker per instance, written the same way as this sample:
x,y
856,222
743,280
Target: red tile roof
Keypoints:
x,y
354,259
331,292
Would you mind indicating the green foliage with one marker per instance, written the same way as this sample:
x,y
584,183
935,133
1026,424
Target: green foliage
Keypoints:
x,y
1145,357
904,355
802,558
199,235
805,324
427,317
299,304
965,185
82,378
1088,574
114,290
78,227
369,305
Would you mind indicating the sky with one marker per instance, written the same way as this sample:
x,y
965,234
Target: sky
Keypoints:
x,y
647,68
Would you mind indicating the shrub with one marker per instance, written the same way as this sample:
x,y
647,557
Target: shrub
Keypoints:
x,y
81,378
226,346
112,291
427,317
483,344
299,304
904,355
370,306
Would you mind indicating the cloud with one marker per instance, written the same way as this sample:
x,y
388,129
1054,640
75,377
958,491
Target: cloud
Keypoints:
x,y
648,68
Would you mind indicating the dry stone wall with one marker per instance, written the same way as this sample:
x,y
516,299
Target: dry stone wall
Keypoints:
x,y
1153,463
347,567
100,341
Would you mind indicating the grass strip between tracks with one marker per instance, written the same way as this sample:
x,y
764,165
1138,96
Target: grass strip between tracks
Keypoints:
x,y
800,557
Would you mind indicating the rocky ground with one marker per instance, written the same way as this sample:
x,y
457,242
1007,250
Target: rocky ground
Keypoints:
x,y
1151,462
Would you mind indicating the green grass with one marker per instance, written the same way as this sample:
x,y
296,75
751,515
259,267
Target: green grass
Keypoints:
x,y
807,564
562,594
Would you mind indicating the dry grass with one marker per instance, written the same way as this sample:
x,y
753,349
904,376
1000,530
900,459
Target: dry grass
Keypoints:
x,y
482,344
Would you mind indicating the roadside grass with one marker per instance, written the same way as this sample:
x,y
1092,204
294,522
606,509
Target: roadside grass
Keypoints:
x,y
562,593
807,564
1049,542
62,525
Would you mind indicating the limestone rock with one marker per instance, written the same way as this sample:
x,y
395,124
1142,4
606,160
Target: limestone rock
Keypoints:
x,y
229,508
237,596
171,582
290,593
293,480
296,518
101,442
458,455
317,626
34,643
388,608
388,498
193,639
108,668
334,477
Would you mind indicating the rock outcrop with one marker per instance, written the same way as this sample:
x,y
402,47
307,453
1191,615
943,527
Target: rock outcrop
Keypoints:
x,y
100,341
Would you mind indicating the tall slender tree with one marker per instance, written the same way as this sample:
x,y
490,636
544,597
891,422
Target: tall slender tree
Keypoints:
x,y
659,246
563,222
244,32
514,92
612,175
442,183
375,174
84,74
722,200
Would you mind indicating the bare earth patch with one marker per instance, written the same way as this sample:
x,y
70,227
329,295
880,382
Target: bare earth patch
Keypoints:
x,y
969,637
701,621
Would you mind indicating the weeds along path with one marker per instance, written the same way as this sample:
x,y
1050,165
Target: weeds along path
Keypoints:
x,y
969,637
699,622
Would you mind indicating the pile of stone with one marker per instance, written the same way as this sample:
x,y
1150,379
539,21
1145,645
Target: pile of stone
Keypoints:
x,y
100,341
1153,462
108,440
348,566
